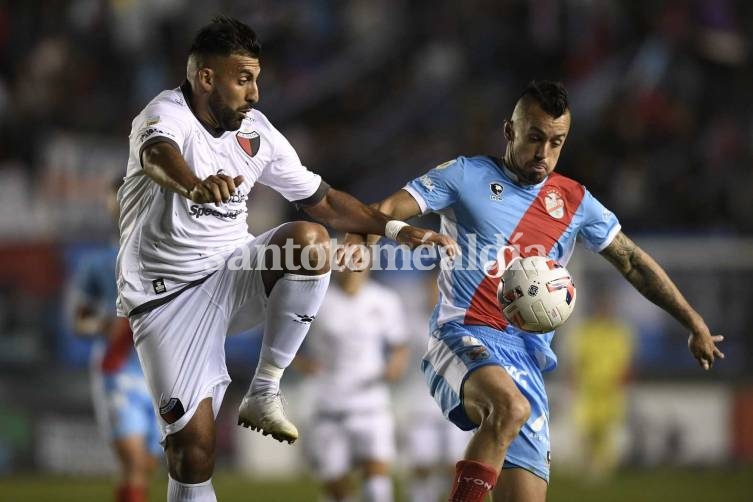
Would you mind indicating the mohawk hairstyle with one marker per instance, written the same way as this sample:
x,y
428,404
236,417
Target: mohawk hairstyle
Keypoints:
x,y
225,36
550,95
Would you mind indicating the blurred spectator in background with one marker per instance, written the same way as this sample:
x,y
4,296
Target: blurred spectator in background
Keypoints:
x,y
121,398
662,90
601,349
356,347
432,443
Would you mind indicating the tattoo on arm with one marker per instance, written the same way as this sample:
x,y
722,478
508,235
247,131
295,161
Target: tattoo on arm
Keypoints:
x,y
649,278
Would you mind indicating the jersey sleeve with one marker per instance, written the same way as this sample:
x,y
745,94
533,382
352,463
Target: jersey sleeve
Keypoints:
x,y
286,175
439,188
600,225
161,120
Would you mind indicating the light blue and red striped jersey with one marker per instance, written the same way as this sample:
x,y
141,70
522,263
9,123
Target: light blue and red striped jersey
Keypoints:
x,y
493,218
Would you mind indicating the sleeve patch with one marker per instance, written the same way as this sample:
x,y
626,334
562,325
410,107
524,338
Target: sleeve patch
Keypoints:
x,y
445,165
426,182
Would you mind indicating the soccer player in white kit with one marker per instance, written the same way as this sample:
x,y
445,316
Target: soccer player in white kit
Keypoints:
x,y
187,263
357,347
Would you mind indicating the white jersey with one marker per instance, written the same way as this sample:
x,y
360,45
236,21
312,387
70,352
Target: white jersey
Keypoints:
x,y
168,242
349,339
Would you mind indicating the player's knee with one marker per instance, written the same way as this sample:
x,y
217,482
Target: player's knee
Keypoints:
x,y
506,415
313,241
307,233
518,412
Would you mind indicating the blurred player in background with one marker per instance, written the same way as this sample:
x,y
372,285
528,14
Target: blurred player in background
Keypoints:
x,y
601,350
484,373
187,263
431,444
121,398
357,347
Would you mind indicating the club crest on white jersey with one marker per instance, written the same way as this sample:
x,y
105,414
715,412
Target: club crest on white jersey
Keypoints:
x,y
249,141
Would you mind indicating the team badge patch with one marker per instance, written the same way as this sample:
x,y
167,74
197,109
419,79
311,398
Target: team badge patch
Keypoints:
x,y
477,354
172,410
554,203
496,190
249,141
159,286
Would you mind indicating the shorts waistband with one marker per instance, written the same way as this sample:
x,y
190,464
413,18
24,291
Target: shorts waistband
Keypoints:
x,y
510,340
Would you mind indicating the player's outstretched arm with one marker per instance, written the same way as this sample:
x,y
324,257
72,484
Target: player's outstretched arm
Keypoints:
x,y
400,205
650,279
344,212
166,166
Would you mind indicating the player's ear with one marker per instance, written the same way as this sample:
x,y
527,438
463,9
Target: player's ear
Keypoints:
x,y
508,130
206,79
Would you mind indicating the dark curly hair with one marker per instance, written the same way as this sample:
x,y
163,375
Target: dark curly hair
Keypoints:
x,y
550,95
225,36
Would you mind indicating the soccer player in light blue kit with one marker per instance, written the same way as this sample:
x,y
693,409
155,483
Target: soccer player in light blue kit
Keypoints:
x,y
484,373
121,398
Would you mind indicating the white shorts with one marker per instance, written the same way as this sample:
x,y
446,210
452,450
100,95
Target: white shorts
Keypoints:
x,y
181,344
340,441
435,441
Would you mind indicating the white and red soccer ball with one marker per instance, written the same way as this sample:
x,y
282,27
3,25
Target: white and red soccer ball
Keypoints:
x,y
536,294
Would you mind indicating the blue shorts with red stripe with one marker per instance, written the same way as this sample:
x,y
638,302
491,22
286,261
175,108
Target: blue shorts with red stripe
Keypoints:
x,y
125,409
456,350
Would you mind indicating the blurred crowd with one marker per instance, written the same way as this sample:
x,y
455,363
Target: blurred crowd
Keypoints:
x,y
373,93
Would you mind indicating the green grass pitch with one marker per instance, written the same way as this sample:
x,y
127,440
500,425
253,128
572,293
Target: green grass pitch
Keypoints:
x,y
661,485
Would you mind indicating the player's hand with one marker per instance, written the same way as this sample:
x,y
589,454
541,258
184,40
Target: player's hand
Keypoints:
x,y
216,188
416,236
353,254
703,347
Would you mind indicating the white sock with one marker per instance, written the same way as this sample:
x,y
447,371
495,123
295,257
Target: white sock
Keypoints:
x,y
377,489
293,304
424,489
182,492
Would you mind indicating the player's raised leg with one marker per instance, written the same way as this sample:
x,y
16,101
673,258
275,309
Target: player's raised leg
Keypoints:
x,y
493,402
295,285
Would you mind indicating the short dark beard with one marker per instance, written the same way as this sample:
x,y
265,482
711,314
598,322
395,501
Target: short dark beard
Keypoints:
x,y
227,118
513,166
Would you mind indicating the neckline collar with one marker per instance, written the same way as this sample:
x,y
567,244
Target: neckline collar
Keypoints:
x,y
185,88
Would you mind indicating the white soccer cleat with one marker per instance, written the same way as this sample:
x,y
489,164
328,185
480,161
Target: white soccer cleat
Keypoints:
x,y
264,413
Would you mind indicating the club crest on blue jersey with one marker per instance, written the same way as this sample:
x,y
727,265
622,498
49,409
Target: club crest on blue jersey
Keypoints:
x,y
496,188
554,203
249,141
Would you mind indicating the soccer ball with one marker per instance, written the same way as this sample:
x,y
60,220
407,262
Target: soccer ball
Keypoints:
x,y
536,294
